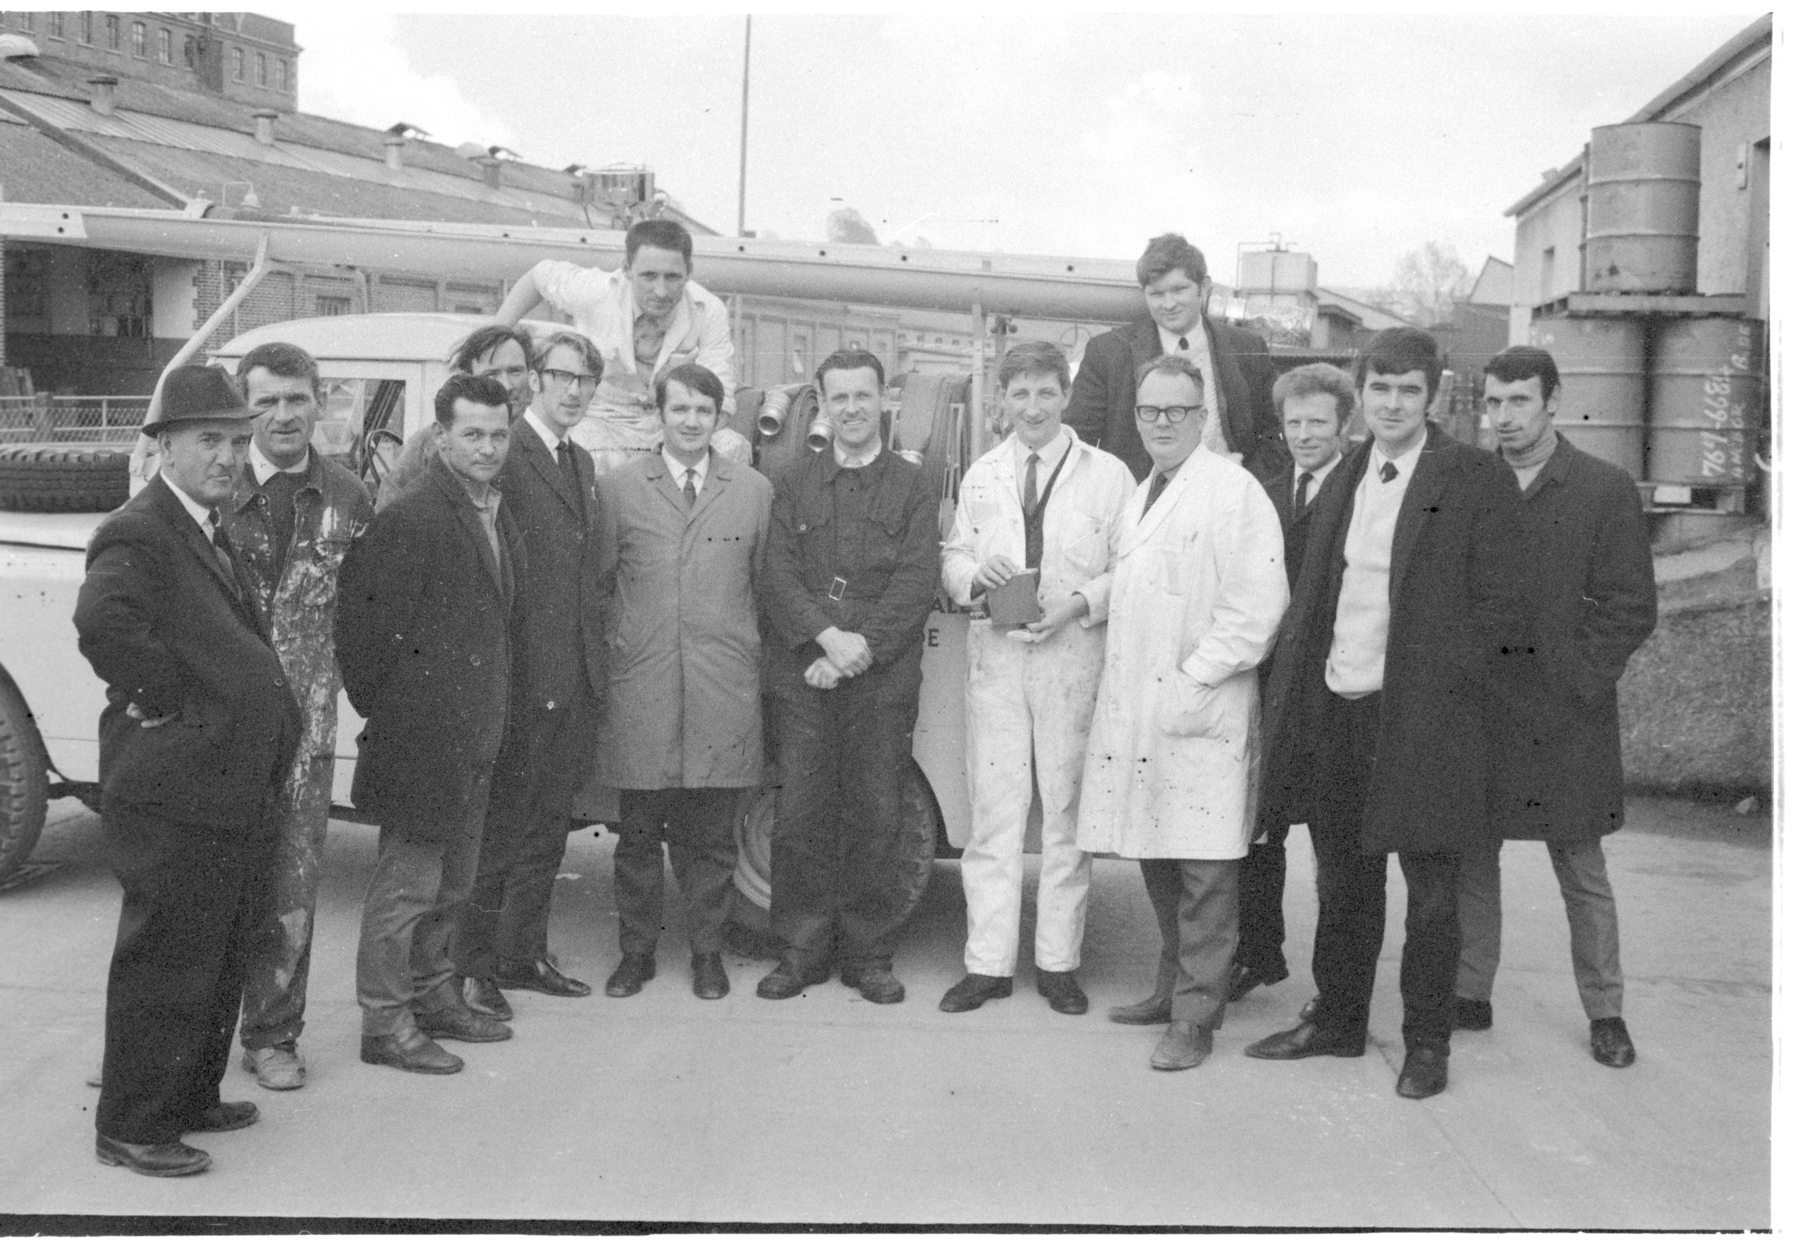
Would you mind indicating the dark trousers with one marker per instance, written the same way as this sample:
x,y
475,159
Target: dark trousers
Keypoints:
x,y
545,758
699,827
1352,894
193,895
1196,910
841,754
1261,926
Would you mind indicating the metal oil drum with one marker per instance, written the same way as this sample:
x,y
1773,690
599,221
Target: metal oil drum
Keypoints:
x,y
1706,398
1601,360
1643,209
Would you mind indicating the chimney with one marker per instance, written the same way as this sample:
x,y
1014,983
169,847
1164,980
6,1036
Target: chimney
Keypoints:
x,y
396,149
105,93
265,126
490,170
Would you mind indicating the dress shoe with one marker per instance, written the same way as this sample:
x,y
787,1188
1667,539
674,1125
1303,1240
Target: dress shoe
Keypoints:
x,y
412,1051
153,1160
1425,1072
709,979
1306,1040
483,996
223,1116
538,976
634,970
279,1068
788,980
460,1022
876,983
1182,1046
1611,1043
1150,1011
1063,993
1245,980
975,990
1473,1015
1307,1009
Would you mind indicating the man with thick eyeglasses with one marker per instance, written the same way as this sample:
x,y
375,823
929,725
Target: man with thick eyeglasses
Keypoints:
x,y
1173,755
558,679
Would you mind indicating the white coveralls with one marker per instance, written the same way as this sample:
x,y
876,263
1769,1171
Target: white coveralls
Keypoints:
x,y
1032,702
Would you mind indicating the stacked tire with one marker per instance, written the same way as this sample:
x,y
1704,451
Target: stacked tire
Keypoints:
x,y
42,477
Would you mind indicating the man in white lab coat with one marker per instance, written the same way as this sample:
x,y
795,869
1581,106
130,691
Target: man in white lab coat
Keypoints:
x,y
1172,759
1044,500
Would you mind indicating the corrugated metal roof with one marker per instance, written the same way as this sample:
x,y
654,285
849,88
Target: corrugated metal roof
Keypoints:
x,y
36,169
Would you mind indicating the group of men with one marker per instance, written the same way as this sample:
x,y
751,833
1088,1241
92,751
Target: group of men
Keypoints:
x,y
514,620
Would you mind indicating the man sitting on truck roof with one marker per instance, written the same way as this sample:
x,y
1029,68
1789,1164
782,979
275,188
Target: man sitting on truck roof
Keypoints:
x,y
646,318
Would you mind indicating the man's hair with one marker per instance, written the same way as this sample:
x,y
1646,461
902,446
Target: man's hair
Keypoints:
x,y
1031,358
662,234
1167,252
696,377
282,359
1174,366
1310,379
1395,352
486,391
848,360
484,341
1520,363
580,342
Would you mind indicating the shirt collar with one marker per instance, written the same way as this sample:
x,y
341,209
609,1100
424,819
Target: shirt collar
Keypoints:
x,y
860,461
1406,463
1048,457
537,422
1196,340
262,467
202,514
678,471
1319,473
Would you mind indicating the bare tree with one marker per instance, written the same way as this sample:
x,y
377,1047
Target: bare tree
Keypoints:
x,y
1427,284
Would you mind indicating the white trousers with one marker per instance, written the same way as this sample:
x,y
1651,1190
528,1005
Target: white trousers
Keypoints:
x,y
1029,708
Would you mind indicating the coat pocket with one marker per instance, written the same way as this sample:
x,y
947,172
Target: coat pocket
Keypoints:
x,y
1193,711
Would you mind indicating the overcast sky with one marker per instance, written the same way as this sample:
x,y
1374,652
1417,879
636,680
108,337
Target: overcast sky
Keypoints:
x,y
1356,138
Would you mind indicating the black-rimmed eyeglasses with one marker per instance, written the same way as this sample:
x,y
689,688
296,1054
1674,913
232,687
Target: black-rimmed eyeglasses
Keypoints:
x,y
1149,415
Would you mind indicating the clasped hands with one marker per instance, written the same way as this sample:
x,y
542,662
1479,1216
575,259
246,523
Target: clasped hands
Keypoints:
x,y
846,655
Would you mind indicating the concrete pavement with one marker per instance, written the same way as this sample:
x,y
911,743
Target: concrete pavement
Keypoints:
x,y
827,1109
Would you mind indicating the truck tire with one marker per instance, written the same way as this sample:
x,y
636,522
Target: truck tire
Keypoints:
x,y
63,478
24,780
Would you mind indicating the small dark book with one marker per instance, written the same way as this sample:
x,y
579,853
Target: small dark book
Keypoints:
x,y
1014,604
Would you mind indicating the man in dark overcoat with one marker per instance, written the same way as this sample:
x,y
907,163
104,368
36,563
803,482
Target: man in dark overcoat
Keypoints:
x,y
1240,422
424,639
1557,773
558,677
197,735
1410,601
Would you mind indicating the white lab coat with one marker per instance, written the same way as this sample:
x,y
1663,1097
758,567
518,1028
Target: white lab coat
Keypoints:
x,y
1197,596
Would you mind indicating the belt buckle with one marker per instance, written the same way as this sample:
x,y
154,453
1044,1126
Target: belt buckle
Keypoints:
x,y
838,587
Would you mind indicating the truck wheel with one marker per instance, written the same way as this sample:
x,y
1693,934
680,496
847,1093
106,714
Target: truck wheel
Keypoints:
x,y
24,780
63,478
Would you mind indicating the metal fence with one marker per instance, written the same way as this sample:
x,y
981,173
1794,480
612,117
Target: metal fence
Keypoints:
x,y
71,418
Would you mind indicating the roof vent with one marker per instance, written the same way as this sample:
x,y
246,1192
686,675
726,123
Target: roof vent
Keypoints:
x,y
265,126
105,93
14,47
396,150
490,170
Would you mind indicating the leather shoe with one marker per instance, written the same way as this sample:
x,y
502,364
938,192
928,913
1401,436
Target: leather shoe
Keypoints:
x,y
483,996
1155,1010
876,983
1063,993
460,1022
1245,980
709,979
1305,1040
975,990
634,970
153,1160
1425,1072
279,1068
538,976
223,1116
1473,1015
1182,1046
788,980
412,1051
1307,1009
1611,1043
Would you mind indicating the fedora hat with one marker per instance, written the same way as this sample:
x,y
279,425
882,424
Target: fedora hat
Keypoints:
x,y
193,392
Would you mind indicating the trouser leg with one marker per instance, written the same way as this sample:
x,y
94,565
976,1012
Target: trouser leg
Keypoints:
x,y
1433,945
563,756
702,849
1162,881
804,856
1061,685
1207,924
637,869
280,961
875,726
1261,884
405,883
507,824
434,938
1352,885
1592,925
999,791
1479,908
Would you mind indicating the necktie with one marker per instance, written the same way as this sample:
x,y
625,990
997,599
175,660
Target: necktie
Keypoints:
x,y
1388,471
1155,491
1183,344
221,548
1030,483
1299,492
565,459
689,491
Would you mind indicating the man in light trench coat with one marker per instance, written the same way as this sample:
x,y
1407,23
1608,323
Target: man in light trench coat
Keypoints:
x,y
681,541
1173,756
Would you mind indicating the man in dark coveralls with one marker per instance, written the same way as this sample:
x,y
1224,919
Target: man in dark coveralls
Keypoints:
x,y
850,580
195,740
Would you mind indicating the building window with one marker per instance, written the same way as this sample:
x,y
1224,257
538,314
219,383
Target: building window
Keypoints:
x,y
165,46
139,46
188,50
333,305
85,28
237,64
262,70
55,26
281,74
112,32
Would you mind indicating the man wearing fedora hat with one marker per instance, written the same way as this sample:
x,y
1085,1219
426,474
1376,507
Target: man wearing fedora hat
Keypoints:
x,y
198,732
